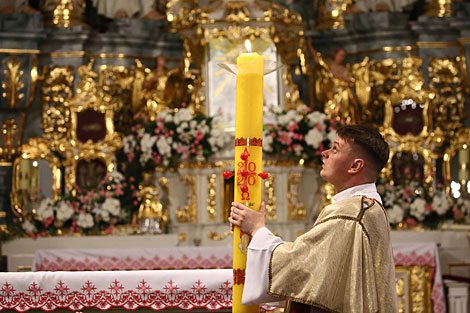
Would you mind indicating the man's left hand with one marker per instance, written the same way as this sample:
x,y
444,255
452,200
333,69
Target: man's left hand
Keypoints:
x,y
247,219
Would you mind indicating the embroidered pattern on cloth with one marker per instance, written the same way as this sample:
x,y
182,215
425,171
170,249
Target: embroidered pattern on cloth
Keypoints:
x,y
116,295
129,263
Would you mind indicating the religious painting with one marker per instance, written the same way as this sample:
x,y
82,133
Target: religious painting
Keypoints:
x,y
91,125
406,167
89,174
408,118
221,84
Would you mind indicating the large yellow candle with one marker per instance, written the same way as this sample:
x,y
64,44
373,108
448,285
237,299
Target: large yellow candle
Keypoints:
x,y
248,161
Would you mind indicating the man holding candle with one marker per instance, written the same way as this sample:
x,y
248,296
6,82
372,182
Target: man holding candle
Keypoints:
x,y
345,262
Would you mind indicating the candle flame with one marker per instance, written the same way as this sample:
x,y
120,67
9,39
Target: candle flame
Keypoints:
x,y
248,45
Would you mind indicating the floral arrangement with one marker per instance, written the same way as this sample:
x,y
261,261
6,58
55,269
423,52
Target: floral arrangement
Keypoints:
x,y
172,138
299,134
414,205
91,212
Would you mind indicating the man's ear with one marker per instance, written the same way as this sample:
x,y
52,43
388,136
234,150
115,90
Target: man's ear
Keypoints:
x,y
357,166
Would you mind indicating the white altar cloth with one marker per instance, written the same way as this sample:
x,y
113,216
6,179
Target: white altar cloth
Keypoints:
x,y
184,289
133,259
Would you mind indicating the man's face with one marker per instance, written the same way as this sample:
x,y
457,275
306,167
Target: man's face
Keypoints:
x,y
336,162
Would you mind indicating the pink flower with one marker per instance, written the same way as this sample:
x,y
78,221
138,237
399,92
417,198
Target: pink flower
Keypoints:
x,y
283,151
411,222
319,127
130,156
428,207
136,203
457,214
102,193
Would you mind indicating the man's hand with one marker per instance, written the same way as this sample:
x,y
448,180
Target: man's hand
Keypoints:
x,y
247,219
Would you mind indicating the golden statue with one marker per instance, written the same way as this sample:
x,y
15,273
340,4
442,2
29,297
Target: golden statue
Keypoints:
x,y
333,86
161,88
151,212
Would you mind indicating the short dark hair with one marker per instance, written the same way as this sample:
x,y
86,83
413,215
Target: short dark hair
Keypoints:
x,y
369,140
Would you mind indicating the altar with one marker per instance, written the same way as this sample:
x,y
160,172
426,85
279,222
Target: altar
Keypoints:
x,y
145,272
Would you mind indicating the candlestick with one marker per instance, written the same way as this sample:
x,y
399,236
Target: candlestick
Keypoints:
x,y
248,161
24,175
464,160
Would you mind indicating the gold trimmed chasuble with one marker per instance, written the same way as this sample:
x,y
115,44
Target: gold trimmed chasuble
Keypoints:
x,y
343,264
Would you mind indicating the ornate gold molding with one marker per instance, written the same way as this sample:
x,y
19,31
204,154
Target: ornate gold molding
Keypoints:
x,y
215,236
212,198
447,80
35,149
56,92
13,85
295,208
413,285
270,196
10,138
435,44
384,49
187,213
408,93
64,13
19,51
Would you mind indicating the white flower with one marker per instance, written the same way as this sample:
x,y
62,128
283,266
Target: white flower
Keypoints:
x,y
290,116
28,227
277,109
417,209
45,209
163,147
166,116
298,150
183,115
144,157
116,176
315,117
129,143
204,129
85,220
100,212
147,142
395,214
332,135
64,211
218,139
314,138
440,203
112,206
267,143
389,199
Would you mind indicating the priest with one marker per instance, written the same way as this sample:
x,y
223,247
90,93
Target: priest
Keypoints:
x,y
345,262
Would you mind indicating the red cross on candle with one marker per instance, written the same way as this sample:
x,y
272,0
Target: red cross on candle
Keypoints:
x,y
246,174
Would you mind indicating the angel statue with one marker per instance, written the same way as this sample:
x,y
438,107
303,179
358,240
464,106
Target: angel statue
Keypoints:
x,y
151,215
333,86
